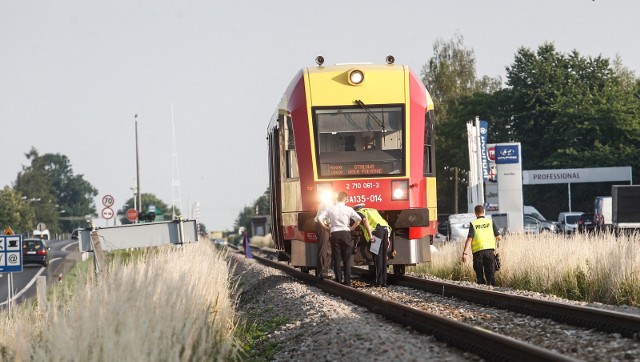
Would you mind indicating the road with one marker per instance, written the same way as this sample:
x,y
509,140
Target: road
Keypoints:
x,y
63,255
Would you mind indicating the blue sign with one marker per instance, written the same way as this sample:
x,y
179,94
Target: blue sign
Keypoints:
x,y
484,130
10,253
507,154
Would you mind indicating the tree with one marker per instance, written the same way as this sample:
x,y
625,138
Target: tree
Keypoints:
x,y
50,183
260,206
450,77
163,211
15,212
570,111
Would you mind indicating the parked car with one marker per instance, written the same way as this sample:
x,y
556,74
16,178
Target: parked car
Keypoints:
x,y
567,221
459,225
545,225
586,223
35,251
443,224
220,242
532,225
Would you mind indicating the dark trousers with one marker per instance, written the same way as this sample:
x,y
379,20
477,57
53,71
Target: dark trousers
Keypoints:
x,y
484,266
324,251
341,247
380,260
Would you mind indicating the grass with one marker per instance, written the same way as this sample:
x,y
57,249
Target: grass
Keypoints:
x,y
161,304
593,268
253,337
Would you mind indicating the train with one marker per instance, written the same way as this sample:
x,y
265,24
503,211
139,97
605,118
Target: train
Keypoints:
x,y
366,129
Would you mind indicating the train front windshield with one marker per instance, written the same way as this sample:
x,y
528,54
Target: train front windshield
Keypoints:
x,y
359,142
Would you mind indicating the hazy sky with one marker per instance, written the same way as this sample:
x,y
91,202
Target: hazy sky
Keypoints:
x,y
74,73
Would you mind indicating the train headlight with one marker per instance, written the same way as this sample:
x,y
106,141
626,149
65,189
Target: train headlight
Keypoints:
x,y
355,77
400,190
324,192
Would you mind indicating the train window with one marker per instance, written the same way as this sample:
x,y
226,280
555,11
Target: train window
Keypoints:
x,y
360,142
290,141
292,164
428,145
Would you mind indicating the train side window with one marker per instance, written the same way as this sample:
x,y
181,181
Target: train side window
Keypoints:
x,y
428,145
290,140
292,164
290,149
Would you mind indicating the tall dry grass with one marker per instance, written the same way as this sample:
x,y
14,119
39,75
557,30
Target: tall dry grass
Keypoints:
x,y
168,304
596,268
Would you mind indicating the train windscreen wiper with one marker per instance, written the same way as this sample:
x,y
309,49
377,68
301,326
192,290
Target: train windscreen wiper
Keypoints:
x,y
366,109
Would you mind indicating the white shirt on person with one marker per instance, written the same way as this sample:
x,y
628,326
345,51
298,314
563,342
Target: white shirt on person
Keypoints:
x,y
339,216
323,207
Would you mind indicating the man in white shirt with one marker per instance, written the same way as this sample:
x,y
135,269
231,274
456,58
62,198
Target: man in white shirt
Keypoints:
x,y
340,216
324,246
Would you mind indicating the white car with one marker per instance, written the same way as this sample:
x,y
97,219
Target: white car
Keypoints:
x,y
220,242
459,225
568,221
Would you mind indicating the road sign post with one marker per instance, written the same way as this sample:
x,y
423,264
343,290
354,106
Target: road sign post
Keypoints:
x,y
10,260
108,200
107,212
132,215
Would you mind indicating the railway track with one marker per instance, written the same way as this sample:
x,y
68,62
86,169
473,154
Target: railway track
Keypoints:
x,y
488,340
489,345
603,320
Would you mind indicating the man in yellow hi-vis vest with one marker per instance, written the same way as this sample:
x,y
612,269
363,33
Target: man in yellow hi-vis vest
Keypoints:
x,y
483,236
373,224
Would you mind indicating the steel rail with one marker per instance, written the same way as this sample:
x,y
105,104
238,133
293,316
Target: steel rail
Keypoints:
x,y
489,345
627,325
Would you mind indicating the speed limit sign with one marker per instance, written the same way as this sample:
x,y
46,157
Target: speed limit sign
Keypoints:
x,y
107,213
108,200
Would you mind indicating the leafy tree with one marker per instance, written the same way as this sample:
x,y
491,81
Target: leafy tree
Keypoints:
x,y
50,183
570,111
261,206
203,229
15,212
163,211
450,77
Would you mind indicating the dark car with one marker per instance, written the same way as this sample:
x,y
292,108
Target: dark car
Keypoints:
x,y
443,224
586,223
74,234
35,251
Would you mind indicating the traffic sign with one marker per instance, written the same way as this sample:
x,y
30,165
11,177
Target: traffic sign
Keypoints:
x,y
132,215
41,226
10,253
108,201
107,213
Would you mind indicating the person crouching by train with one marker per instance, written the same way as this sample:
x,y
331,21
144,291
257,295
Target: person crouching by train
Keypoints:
x,y
374,225
324,246
339,216
483,236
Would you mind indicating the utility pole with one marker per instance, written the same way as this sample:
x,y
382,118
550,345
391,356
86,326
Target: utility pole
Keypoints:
x,y
139,194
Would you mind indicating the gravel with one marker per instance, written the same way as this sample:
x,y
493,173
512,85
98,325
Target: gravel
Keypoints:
x,y
318,327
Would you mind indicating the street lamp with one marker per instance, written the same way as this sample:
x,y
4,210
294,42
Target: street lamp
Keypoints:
x,y
139,196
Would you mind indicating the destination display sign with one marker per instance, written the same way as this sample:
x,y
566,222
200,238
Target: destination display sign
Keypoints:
x,y
360,169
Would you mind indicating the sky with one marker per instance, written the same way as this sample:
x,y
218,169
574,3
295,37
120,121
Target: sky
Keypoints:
x,y
209,75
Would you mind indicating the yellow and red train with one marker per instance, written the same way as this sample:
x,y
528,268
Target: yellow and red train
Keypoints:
x,y
368,130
